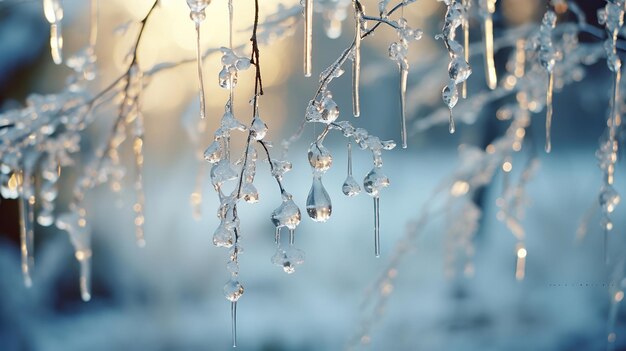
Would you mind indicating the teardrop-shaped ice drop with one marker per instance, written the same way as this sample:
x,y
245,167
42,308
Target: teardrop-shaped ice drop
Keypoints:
x,y
375,181
213,153
450,94
318,204
233,290
223,236
350,187
258,128
329,109
249,193
221,172
459,70
224,78
287,215
319,157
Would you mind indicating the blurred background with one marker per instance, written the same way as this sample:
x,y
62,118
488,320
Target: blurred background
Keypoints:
x,y
168,295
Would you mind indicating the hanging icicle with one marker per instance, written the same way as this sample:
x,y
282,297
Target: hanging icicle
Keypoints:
x,y
467,5
458,69
198,15
26,188
486,9
356,59
373,183
398,52
308,37
53,10
75,224
547,58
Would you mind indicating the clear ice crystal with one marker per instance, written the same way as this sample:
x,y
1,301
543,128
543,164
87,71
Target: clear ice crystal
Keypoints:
x,y
318,204
287,214
375,181
320,158
233,290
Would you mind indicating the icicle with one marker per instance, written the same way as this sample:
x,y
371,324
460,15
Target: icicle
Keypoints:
x,y
93,30
233,317
549,111
465,24
199,60
450,96
451,125
547,58
84,259
350,186
198,15
356,63
458,68
53,10
377,226
404,73
398,52
308,36
520,267
26,210
374,182
233,291
75,224
488,7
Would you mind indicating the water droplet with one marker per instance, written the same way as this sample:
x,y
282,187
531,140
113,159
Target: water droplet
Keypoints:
x,y
249,193
350,186
223,236
458,70
258,128
375,181
287,215
450,94
213,153
319,157
233,290
318,204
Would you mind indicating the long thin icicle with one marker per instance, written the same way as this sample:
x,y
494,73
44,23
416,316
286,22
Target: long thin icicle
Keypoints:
x,y
377,226
53,10
356,62
200,75
487,9
93,29
465,24
549,111
547,59
27,218
308,36
404,74
198,15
